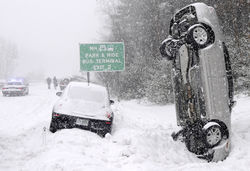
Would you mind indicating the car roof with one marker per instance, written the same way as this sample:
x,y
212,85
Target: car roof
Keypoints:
x,y
87,85
16,79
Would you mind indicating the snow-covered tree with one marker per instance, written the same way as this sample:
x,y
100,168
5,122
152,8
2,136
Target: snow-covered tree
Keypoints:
x,y
142,25
8,56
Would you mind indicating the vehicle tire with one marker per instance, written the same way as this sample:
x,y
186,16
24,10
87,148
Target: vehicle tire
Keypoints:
x,y
167,49
108,130
199,36
212,134
105,131
195,143
190,143
53,126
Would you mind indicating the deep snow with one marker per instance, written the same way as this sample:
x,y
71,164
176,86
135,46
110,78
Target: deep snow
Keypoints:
x,y
140,140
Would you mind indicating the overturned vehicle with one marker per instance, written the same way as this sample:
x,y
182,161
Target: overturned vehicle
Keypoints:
x,y
202,81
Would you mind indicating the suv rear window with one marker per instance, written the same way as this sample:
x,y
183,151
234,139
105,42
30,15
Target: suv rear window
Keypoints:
x,y
87,94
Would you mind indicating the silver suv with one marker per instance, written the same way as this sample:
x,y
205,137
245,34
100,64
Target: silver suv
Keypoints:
x,y
202,81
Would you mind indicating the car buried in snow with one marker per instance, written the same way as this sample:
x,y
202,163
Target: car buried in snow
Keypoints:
x,y
202,81
16,87
85,106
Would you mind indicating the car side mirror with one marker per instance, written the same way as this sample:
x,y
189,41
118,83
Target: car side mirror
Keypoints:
x,y
111,102
59,93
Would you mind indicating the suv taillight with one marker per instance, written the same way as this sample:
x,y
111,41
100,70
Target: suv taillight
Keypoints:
x,y
55,114
108,115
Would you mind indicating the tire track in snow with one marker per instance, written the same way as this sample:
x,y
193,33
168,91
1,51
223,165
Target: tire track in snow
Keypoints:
x,y
21,134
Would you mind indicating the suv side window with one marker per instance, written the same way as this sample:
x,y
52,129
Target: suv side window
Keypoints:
x,y
228,72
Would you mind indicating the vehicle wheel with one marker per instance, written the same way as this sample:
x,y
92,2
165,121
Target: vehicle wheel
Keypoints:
x,y
198,36
108,130
53,127
105,131
194,143
178,136
167,49
190,143
212,134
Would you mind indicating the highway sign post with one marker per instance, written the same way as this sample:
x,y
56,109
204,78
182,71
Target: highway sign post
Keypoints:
x,y
103,57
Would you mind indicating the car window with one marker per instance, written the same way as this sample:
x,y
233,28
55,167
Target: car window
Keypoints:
x,y
90,95
14,83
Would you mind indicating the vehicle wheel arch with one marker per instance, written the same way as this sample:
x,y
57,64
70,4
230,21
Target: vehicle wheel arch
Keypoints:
x,y
224,128
163,49
209,31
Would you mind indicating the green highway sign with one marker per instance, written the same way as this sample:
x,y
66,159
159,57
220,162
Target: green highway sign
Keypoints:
x,y
102,57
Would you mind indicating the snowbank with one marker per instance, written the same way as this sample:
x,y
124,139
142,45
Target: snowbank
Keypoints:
x,y
140,140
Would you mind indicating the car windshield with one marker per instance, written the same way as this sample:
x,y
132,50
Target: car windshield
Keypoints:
x,y
14,83
87,94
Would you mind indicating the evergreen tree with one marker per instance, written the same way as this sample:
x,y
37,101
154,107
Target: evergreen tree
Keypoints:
x,y
142,26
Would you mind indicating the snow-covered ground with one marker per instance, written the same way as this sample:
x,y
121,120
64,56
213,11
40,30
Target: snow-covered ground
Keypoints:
x,y
140,140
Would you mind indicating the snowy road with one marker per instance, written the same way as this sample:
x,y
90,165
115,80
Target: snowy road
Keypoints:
x,y
141,139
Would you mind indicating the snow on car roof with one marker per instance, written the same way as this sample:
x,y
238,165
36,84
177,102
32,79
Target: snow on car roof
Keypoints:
x,y
89,86
85,91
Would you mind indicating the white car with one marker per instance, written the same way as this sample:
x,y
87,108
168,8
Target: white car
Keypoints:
x,y
202,81
16,87
85,106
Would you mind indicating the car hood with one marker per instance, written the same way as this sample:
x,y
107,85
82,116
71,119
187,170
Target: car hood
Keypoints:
x,y
81,108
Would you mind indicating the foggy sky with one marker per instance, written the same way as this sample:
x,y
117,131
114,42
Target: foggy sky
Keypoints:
x,y
48,33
